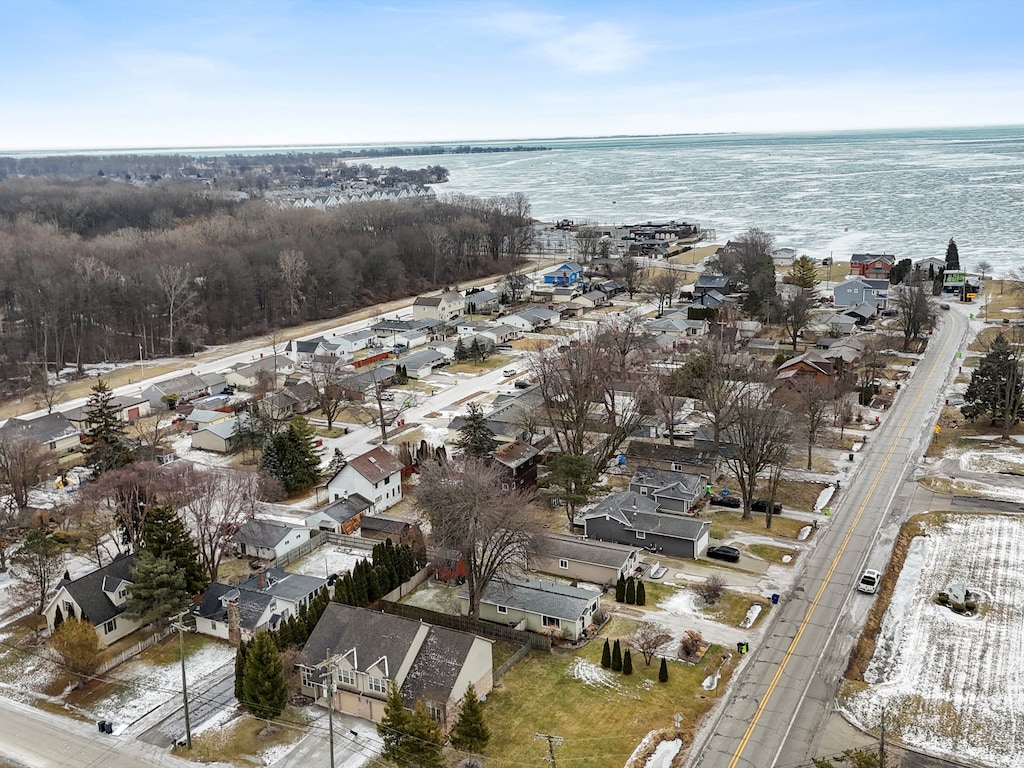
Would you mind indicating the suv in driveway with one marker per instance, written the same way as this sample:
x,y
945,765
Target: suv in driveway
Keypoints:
x,y
868,583
724,553
727,500
761,505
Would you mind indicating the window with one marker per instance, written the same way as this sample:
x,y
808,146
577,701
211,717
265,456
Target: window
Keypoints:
x,y
387,480
378,684
551,621
69,608
504,486
436,711
641,535
110,626
676,467
309,677
347,676
123,593
563,564
643,491
502,609
213,625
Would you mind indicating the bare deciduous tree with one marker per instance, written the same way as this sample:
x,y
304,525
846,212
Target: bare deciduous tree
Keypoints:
x,y
214,504
492,529
325,379
796,313
811,400
177,286
293,267
915,311
755,436
24,461
631,274
711,589
647,639
663,283
587,237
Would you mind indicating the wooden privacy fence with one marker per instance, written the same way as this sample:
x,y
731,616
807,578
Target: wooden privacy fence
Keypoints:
x,y
466,624
135,650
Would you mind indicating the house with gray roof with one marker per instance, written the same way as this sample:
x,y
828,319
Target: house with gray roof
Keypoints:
x,y
99,597
443,308
181,388
341,516
537,605
858,290
53,431
720,283
268,540
588,560
369,651
260,603
221,437
533,319
129,408
482,302
633,520
675,492
677,324
355,340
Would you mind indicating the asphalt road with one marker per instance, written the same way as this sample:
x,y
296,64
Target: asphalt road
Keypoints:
x,y
779,703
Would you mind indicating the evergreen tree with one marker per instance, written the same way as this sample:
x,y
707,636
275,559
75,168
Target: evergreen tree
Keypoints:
x,y
663,672
165,535
996,390
627,663
341,591
630,590
476,438
475,352
263,686
373,590
641,593
804,273
620,589
291,456
58,618
286,633
571,480
606,654
616,657
424,739
104,433
158,589
470,732
240,671
952,256
393,725
461,354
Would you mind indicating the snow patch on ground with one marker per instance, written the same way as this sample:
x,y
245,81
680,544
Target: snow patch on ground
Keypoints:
x,y
664,754
951,683
328,559
591,674
992,461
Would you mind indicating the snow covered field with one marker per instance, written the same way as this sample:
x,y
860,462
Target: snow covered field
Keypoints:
x,y
950,683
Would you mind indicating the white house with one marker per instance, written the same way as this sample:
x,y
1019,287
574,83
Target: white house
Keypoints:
x,y
443,308
268,540
182,388
533,319
375,475
274,368
356,340
100,597
53,431
221,437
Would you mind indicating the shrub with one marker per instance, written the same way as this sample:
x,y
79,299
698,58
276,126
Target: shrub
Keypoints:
x,y
663,672
616,657
627,663
606,654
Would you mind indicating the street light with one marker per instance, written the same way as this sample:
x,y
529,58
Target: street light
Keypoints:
x,y
142,365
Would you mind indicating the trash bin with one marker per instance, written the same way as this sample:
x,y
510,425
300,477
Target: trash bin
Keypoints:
x,y
850,457
102,726
775,599
108,727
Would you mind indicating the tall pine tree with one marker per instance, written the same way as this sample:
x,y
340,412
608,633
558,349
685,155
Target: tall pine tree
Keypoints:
x,y
291,456
158,589
104,433
952,257
476,438
470,732
165,535
264,690
240,671
393,725
616,657
424,739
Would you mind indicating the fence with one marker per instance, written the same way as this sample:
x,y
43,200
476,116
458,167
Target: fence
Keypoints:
x,y
316,540
410,585
511,661
135,650
355,542
466,624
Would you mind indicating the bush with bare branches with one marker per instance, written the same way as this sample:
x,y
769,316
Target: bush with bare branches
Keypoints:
x,y
711,589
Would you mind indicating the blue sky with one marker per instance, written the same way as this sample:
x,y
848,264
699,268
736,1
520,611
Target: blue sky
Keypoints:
x,y
148,73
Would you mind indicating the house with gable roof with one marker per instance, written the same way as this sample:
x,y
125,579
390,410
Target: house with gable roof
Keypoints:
x,y
589,560
99,597
872,265
258,604
369,651
375,475
182,388
567,274
341,516
268,539
536,604
810,364
517,462
443,308
631,519
676,492
52,430
858,290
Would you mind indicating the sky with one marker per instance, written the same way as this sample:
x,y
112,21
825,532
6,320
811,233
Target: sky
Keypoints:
x,y
156,73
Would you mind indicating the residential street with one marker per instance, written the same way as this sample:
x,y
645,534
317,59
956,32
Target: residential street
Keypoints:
x,y
778,705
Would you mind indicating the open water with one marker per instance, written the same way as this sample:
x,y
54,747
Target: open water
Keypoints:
x,y
899,192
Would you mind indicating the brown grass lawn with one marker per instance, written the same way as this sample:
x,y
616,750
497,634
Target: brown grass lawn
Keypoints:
x,y
772,553
241,740
471,366
1002,299
957,432
733,607
725,521
600,725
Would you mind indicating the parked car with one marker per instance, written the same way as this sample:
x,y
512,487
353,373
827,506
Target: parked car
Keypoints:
x,y
522,384
385,395
727,500
761,505
943,305
508,372
888,313
868,328
730,554
869,581
505,346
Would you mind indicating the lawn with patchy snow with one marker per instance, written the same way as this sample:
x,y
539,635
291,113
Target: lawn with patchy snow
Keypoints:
x,y
951,683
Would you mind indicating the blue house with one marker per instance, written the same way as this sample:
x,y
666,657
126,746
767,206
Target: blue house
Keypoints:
x,y
860,290
569,273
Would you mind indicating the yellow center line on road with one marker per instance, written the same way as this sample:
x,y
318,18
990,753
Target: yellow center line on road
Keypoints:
x,y
828,576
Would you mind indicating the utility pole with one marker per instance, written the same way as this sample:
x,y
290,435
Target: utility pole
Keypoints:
x,y
179,624
881,743
553,741
330,702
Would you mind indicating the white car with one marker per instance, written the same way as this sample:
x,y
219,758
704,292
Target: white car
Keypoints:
x,y
869,581
508,372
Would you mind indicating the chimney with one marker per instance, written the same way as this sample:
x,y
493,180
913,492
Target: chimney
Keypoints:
x,y
262,579
234,622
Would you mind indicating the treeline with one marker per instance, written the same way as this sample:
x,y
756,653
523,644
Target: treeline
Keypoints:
x,y
281,164
97,271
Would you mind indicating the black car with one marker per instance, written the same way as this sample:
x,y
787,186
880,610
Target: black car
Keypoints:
x,y
724,553
761,505
727,500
